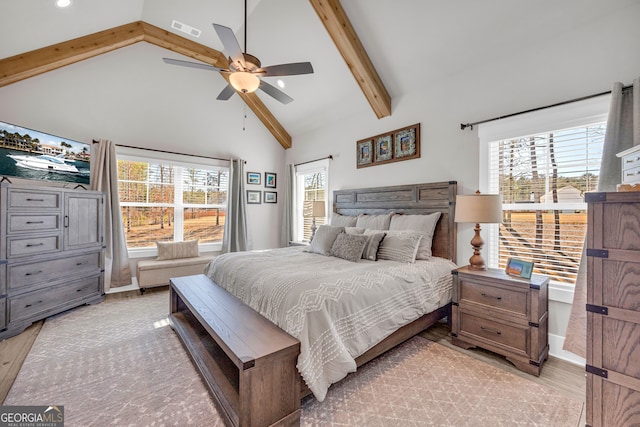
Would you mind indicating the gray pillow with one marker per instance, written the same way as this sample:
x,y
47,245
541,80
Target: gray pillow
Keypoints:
x,y
425,224
175,250
349,246
374,238
400,246
343,220
374,222
324,238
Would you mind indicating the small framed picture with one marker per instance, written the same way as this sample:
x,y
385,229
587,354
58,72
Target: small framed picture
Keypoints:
x,y
270,197
254,178
364,153
270,180
519,268
383,151
254,197
407,142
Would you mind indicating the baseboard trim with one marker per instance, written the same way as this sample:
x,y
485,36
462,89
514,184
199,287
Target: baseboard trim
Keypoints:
x,y
555,349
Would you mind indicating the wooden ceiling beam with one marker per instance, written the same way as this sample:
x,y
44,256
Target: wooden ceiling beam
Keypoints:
x,y
40,61
346,39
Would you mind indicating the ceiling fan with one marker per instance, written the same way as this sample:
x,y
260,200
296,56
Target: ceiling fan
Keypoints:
x,y
244,68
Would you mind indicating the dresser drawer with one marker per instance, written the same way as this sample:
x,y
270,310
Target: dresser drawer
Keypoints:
x,y
21,246
37,303
20,276
512,301
26,199
515,339
631,175
21,223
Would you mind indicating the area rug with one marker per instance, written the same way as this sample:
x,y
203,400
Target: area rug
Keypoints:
x,y
119,363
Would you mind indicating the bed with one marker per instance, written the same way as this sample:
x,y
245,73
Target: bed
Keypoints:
x,y
305,293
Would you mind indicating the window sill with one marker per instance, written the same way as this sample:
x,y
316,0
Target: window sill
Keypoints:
x,y
561,292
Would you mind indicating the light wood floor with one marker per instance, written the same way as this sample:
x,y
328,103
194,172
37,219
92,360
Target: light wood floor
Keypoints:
x,y
564,377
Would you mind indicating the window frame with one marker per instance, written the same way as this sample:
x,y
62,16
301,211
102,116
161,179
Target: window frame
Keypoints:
x,y
300,171
574,114
182,161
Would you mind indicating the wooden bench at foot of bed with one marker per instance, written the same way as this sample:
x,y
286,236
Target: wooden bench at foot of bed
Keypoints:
x,y
248,363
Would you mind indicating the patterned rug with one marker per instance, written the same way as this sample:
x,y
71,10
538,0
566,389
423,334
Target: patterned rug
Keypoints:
x,y
119,363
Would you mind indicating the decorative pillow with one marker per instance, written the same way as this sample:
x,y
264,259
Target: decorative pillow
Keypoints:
x,y
343,220
374,238
425,224
400,246
324,238
349,246
354,230
174,250
374,222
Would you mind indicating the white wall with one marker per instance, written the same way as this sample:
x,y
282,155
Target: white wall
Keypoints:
x,y
586,61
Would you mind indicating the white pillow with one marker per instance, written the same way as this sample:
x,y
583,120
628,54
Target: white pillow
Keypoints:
x,y
324,238
374,239
374,222
425,224
400,246
343,220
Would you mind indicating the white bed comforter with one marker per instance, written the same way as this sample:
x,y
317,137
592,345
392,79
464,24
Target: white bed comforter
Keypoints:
x,y
337,309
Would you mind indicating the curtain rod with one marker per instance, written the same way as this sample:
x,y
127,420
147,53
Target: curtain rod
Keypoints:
x,y
167,152
330,157
463,126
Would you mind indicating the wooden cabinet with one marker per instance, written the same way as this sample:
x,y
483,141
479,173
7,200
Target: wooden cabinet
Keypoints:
x,y
613,309
506,315
51,252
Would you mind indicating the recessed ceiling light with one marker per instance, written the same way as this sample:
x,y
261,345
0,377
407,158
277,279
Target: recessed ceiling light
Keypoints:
x,y
63,3
281,83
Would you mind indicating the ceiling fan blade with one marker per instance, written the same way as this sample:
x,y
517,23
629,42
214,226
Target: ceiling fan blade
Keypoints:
x,y
226,93
192,64
275,92
287,69
230,43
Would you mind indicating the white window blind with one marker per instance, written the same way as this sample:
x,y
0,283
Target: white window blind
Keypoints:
x,y
542,163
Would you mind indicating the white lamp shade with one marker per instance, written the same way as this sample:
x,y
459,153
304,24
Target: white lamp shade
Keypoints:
x,y
318,209
244,82
479,209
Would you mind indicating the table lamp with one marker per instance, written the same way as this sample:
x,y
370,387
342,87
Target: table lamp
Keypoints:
x,y
478,209
317,210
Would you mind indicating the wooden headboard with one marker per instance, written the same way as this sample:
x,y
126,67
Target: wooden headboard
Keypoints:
x,y
408,199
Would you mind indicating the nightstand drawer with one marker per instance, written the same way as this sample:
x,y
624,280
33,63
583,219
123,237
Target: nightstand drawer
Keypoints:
x,y
513,301
489,331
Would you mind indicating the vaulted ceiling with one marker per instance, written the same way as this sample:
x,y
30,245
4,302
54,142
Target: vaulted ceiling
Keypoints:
x,y
366,55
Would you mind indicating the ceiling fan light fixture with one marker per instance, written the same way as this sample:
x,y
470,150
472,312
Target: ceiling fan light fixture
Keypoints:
x,y
244,82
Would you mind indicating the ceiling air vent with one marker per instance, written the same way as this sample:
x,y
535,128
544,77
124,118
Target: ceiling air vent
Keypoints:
x,y
186,28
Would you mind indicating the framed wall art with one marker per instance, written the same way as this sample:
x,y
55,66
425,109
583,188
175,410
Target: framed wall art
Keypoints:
x,y
364,153
254,197
270,197
270,180
254,178
394,146
519,268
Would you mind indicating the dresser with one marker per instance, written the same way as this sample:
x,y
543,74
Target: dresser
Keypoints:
x,y
613,309
51,252
503,314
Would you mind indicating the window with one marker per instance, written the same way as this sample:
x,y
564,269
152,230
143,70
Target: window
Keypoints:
x,y
312,184
165,200
542,178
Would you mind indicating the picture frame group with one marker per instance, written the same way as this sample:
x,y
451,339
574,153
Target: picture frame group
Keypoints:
x,y
256,197
394,146
255,178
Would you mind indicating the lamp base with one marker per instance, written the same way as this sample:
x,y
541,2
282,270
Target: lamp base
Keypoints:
x,y
476,262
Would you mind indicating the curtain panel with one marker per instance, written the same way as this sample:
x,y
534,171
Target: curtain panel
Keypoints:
x,y
236,237
104,177
623,132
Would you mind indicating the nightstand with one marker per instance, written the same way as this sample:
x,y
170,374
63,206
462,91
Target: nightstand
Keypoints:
x,y
503,314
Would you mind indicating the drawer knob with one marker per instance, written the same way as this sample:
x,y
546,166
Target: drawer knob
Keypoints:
x,y
490,296
34,273
35,200
30,245
493,331
35,222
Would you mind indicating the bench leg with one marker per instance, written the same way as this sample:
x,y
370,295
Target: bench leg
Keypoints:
x,y
142,291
